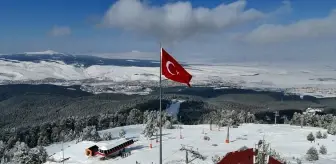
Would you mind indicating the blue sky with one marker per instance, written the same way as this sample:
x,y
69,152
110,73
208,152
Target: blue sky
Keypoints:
x,y
72,26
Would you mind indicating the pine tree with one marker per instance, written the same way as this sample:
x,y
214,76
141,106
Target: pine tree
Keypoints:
x,y
310,137
332,128
107,136
2,148
168,125
150,125
312,154
90,133
323,150
22,154
318,135
122,133
134,117
325,135
295,119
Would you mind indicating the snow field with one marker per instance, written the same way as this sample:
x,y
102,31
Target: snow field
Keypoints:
x,y
289,141
299,79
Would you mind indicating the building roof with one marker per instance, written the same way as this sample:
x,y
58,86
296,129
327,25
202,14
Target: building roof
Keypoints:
x,y
106,145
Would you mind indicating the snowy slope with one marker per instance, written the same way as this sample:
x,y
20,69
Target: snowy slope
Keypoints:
x,y
289,141
307,80
47,52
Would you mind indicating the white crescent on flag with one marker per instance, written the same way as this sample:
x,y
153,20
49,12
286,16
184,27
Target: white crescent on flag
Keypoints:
x,y
167,65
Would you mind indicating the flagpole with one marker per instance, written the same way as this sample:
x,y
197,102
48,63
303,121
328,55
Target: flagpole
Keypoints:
x,y
160,104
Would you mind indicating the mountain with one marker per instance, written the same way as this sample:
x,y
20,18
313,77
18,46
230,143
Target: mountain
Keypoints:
x,y
76,60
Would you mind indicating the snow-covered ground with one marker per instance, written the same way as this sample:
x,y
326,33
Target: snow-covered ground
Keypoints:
x,y
289,141
304,79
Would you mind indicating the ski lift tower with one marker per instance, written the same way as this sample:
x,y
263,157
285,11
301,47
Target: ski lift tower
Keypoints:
x,y
276,114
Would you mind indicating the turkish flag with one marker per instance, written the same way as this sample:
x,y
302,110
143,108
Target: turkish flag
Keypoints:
x,y
172,70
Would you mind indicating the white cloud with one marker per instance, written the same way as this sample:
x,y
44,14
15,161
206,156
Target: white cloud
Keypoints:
x,y
177,21
60,31
317,28
185,30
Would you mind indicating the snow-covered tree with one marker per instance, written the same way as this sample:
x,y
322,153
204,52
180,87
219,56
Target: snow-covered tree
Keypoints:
x,y
312,154
168,125
122,133
2,148
241,117
90,133
38,155
325,135
215,159
298,161
332,128
134,117
145,116
285,118
295,119
323,150
250,117
107,136
310,137
277,156
318,135
150,125
22,154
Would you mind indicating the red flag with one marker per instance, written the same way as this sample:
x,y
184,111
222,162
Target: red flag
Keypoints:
x,y
172,70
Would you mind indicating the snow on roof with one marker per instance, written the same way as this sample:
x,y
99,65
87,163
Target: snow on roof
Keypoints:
x,y
109,145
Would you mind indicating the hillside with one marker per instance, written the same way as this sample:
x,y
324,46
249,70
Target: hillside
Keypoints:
x,y
289,141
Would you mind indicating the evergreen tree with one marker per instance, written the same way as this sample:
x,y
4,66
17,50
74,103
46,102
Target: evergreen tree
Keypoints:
x,y
2,149
310,137
122,133
134,117
107,136
332,128
150,125
22,154
295,119
319,135
168,125
90,134
323,150
312,154
325,135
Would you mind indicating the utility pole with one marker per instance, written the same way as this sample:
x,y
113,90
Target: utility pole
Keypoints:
x,y
63,151
157,135
186,157
228,132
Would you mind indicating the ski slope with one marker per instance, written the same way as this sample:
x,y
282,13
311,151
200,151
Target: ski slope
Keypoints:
x,y
289,141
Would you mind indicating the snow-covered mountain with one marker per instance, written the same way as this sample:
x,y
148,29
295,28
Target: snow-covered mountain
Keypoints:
x,y
96,74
